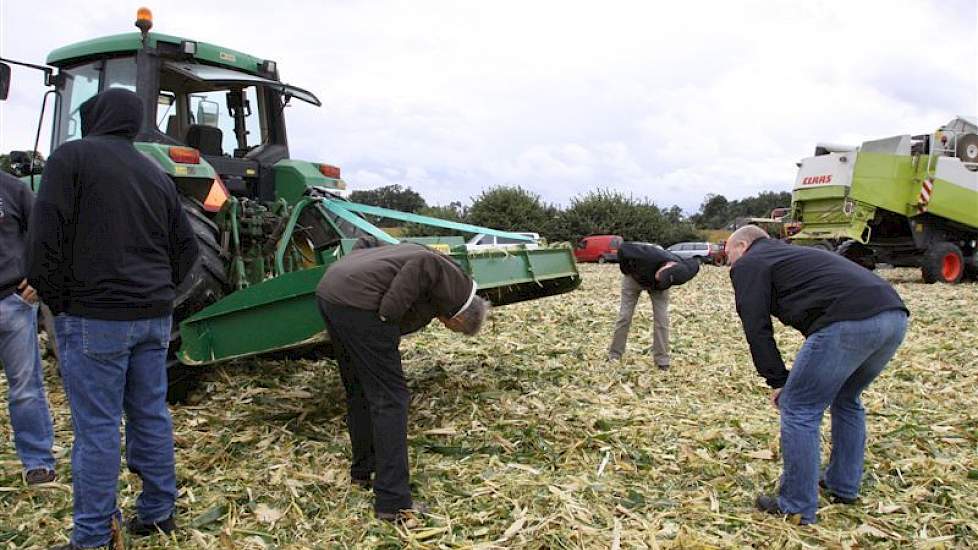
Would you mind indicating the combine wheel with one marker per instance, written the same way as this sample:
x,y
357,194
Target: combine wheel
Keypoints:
x,y
968,148
943,262
204,285
858,253
823,245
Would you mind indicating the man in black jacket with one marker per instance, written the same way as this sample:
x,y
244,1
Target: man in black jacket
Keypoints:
x,y
19,353
853,323
368,299
648,268
110,243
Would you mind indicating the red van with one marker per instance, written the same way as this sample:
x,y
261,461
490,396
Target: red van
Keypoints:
x,y
598,248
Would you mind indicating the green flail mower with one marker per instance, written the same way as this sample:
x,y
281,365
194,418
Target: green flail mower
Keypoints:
x,y
268,225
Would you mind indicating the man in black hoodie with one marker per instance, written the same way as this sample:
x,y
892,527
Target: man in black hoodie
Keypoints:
x,y
109,244
647,268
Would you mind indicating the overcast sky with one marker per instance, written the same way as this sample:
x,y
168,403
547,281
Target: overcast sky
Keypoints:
x,y
666,100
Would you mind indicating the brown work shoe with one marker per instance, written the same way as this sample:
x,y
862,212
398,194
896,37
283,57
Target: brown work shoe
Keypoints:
x,y
409,517
40,476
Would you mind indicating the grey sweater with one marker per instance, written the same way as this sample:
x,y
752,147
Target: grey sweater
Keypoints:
x,y
408,284
16,203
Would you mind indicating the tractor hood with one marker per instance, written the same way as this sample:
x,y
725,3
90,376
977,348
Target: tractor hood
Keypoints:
x,y
222,76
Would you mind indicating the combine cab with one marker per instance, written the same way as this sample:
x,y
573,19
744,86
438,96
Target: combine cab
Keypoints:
x,y
908,201
268,225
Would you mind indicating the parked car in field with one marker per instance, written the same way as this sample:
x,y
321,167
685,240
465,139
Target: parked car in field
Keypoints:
x,y
598,248
708,253
483,242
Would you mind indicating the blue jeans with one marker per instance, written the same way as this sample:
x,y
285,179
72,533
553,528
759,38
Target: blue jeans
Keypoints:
x,y
21,358
833,368
110,368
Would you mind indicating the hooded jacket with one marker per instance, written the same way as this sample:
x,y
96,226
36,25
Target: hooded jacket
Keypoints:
x,y
16,201
408,284
108,238
641,261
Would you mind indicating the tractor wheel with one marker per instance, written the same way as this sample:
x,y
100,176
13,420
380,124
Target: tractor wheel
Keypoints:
x,y
204,285
602,259
823,245
968,148
857,253
943,262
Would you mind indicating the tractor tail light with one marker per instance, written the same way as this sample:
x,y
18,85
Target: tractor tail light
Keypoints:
x,y
217,196
330,171
185,155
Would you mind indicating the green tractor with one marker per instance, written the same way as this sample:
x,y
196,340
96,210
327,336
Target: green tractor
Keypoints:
x,y
268,225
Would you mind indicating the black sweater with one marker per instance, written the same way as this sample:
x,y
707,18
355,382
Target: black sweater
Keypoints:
x,y
109,238
16,200
640,261
804,288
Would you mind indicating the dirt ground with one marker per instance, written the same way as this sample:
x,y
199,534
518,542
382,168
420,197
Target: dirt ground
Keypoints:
x,y
524,437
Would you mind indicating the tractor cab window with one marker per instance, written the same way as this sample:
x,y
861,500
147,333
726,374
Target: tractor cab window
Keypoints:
x,y
120,73
79,85
224,122
82,82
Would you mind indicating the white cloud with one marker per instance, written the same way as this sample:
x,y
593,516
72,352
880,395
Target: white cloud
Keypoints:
x,y
666,100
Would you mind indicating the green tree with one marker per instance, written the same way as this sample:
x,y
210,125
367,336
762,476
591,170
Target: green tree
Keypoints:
x,y
605,212
393,197
512,209
714,212
717,212
453,212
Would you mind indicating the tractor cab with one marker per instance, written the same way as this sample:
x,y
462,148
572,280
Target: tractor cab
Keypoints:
x,y
201,99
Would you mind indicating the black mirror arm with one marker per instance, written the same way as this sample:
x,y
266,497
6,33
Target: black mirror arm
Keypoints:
x,y
48,71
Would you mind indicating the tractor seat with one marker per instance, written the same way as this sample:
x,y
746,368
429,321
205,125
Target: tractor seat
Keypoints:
x,y
206,139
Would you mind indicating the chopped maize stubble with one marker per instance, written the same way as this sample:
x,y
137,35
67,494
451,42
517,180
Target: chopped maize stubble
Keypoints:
x,y
525,437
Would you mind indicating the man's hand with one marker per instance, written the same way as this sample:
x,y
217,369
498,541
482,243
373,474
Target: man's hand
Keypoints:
x,y
774,399
27,292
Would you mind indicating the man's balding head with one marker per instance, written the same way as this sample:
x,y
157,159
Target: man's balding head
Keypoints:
x,y
740,241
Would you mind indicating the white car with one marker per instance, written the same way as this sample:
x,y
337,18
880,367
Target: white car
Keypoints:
x,y
486,242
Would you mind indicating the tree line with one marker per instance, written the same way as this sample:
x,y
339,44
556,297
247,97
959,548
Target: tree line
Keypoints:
x,y
599,212
512,208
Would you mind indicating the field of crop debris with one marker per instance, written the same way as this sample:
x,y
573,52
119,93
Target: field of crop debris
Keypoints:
x,y
524,437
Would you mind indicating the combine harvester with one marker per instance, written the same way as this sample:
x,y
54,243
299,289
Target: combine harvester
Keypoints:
x,y
268,225
908,201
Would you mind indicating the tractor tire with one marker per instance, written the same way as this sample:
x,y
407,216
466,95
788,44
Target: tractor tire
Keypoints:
x,y
857,253
205,284
823,245
968,148
944,263
602,259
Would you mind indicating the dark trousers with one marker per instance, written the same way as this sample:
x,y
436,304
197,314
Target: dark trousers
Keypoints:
x,y
377,400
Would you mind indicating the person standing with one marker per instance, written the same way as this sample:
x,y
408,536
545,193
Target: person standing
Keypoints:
x,y
30,417
853,323
368,299
648,268
109,244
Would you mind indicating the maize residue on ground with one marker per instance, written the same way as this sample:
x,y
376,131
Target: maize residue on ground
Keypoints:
x,y
524,437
